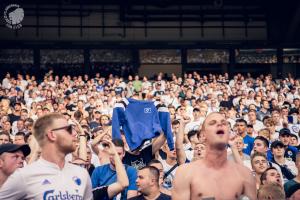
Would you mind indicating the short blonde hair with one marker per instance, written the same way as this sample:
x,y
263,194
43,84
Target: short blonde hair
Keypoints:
x,y
271,191
42,125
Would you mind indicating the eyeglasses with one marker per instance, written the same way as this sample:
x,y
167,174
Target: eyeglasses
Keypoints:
x,y
68,128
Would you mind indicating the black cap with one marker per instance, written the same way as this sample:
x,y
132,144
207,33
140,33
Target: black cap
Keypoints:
x,y
196,110
11,148
284,131
276,144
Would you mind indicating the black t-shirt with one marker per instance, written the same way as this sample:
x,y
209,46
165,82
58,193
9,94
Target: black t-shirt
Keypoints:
x,y
162,196
13,117
101,193
141,160
70,107
118,90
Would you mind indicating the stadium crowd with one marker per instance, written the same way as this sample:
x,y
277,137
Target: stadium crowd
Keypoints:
x,y
68,119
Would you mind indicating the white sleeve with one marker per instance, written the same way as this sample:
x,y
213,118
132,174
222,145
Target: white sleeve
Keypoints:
x,y
14,187
88,193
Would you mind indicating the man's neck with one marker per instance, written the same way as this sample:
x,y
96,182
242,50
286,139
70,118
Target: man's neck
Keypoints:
x,y
257,178
154,194
244,134
215,158
263,110
279,159
54,156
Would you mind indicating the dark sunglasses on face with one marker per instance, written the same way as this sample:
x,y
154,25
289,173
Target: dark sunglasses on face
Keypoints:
x,y
68,128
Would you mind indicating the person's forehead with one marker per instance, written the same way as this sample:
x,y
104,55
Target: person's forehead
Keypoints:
x,y
119,149
19,152
214,116
271,171
259,158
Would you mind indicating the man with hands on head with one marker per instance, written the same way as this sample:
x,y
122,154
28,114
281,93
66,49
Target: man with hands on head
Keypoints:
x,y
108,192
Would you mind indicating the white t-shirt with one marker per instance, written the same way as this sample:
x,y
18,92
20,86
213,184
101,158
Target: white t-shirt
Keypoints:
x,y
168,181
45,180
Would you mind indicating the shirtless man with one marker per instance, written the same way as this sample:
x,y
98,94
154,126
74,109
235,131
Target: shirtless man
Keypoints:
x,y
215,177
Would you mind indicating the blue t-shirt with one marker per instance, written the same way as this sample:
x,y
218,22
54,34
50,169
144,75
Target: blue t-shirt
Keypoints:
x,y
104,176
248,144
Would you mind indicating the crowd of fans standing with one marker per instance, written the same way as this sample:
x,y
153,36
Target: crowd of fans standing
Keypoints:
x,y
263,115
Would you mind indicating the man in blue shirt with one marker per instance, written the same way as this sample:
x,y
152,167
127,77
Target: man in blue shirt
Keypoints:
x,y
106,174
241,126
290,151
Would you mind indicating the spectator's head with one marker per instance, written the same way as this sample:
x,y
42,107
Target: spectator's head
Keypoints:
x,y
261,144
271,191
20,138
259,162
276,117
265,133
196,113
4,137
265,104
250,129
158,165
20,125
52,131
170,154
193,136
241,126
119,144
104,120
216,131
199,151
270,124
271,175
284,136
239,142
294,140
277,148
7,126
148,180
12,157
175,126
252,115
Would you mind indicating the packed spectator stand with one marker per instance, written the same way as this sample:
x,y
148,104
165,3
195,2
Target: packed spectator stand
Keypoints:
x,y
263,115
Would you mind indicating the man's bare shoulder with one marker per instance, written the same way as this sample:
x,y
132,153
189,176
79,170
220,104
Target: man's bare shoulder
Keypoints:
x,y
242,170
189,168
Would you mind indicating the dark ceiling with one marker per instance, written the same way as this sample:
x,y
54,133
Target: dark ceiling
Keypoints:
x,y
282,17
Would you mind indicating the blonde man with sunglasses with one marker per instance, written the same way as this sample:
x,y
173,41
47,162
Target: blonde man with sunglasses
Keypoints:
x,y
50,177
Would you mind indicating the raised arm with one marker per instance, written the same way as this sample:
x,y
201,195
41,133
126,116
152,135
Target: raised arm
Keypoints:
x,y
158,143
82,142
96,141
235,153
122,178
181,157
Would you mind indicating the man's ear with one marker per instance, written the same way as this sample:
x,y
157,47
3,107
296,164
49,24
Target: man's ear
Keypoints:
x,y
51,135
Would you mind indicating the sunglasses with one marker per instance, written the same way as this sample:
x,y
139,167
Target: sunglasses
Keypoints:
x,y
68,128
